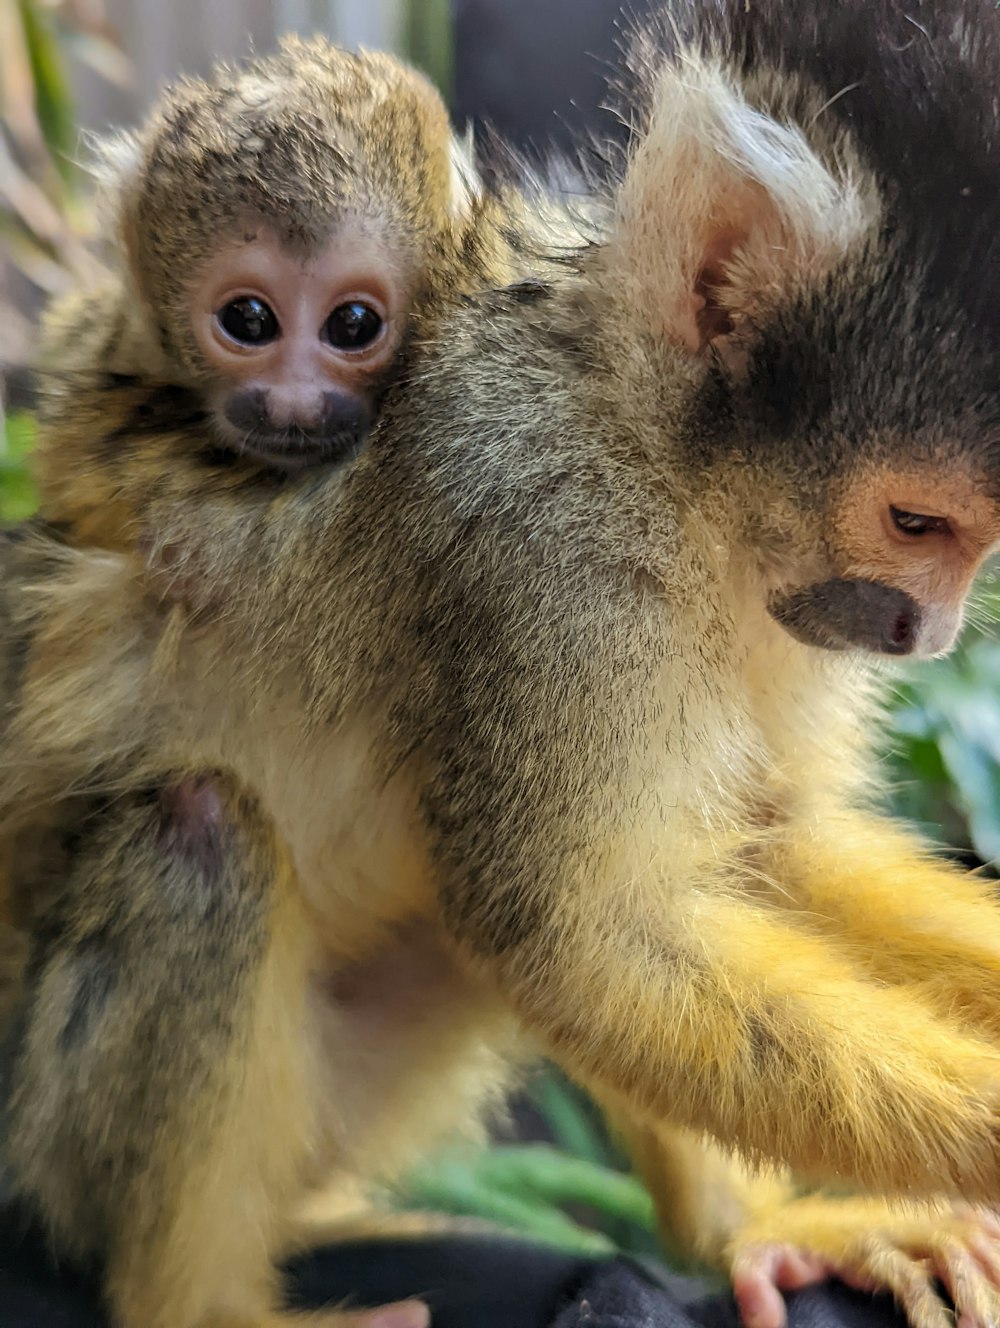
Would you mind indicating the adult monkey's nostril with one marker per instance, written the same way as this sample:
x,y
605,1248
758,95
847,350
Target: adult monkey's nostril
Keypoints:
x,y
901,633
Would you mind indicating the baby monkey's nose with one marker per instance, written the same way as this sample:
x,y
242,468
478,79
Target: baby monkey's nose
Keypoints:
x,y
247,409
324,413
344,412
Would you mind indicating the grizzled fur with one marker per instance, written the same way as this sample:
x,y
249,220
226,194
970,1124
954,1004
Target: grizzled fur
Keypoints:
x,y
527,737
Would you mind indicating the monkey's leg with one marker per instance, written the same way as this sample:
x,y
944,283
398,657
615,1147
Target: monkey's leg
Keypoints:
x,y
912,919
724,1016
160,1107
767,1240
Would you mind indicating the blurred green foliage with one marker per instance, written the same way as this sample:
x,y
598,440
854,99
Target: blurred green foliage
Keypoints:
x,y
542,1191
943,741
573,1192
53,102
427,39
45,216
17,492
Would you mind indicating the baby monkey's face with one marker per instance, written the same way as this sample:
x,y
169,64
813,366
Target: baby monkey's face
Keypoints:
x,y
296,347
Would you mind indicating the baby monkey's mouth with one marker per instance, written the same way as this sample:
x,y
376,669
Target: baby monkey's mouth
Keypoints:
x,y
322,429
294,449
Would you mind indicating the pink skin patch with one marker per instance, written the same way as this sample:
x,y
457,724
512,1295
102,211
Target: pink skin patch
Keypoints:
x,y
193,824
405,1314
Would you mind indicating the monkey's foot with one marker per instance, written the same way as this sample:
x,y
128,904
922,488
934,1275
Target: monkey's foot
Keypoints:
x,y
872,1247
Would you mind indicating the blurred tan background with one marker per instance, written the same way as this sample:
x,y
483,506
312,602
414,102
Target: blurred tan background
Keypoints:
x,y
161,37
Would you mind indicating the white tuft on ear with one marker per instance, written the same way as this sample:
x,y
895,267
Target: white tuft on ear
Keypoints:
x,y
466,186
113,159
115,163
722,205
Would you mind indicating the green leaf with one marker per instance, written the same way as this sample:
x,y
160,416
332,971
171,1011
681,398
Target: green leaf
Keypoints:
x,y
943,749
18,498
427,39
463,1188
17,435
572,1121
53,99
547,1173
977,779
527,1188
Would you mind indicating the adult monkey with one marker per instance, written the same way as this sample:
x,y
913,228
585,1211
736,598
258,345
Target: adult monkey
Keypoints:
x,y
557,667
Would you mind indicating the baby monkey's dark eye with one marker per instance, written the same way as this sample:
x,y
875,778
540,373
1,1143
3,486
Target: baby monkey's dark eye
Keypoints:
x,y
353,326
248,320
916,523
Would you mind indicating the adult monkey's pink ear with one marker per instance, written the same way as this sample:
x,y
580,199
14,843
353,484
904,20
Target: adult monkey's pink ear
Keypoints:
x,y
724,209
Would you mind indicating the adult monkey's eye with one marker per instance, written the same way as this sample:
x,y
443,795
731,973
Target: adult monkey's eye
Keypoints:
x,y
248,320
353,326
916,523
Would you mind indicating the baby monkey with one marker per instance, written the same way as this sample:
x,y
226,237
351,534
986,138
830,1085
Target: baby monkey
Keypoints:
x,y
277,226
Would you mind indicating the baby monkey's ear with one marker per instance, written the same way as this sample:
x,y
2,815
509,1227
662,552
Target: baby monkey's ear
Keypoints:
x,y
725,210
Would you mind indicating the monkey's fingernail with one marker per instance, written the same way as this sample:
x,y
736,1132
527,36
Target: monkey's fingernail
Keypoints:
x,y
407,1314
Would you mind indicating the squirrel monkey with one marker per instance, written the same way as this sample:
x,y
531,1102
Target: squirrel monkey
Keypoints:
x,y
551,710
276,228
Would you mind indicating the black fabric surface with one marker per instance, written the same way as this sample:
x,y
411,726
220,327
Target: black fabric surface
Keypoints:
x,y
623,1294
469,1282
